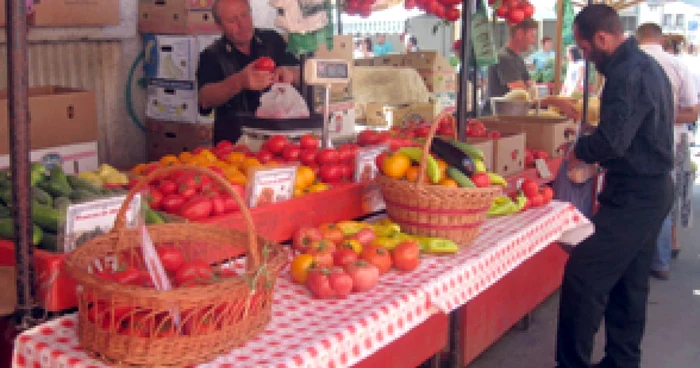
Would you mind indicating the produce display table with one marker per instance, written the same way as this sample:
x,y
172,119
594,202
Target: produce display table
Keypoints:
x,y
324,333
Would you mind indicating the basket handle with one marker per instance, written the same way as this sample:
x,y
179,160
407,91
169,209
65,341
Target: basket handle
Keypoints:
x,y
429,141
253,246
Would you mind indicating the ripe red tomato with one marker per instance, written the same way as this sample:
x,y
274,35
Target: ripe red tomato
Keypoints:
x,y
304,237
331,173
512,3
340,282
197,208
537,200
265,156
380,159
291,152
171,258
308,156
365,236
346,153
348,170
265,64
364,275
344,257
530,188
332,234
450,2
193,273
481,180
327,156
452,14
128,276
218,206
309,142
409,4
406,256
542,155
276,144
547,194
367,138
377,256
155,198
528,9
516,15
319,283
495,135
502,11
172,203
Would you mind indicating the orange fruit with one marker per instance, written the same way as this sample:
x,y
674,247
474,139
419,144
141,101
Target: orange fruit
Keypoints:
x,y
305,177
185,157
139,169
442,165
169,160
237,178
396,165
412,174
449,183
249,162
235,158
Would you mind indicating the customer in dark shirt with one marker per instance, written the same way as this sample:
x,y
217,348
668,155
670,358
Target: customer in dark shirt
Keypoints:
x,y
608,273
226,76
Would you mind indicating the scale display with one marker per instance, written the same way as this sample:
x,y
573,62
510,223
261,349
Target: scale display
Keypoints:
x,y
318,72
330,70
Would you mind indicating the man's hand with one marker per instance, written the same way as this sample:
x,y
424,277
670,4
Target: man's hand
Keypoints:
x,y
255,80
283,75
564,105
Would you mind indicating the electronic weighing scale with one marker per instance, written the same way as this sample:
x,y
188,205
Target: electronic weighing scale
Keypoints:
x,y
326,72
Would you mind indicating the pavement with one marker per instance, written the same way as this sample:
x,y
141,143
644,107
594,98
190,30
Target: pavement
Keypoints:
x,y
672,338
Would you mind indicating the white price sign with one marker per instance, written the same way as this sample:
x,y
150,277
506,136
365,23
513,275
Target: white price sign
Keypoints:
x,y
270,185
365,164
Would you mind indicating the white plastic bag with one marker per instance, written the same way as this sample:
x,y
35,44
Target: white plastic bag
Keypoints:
x,y
282,101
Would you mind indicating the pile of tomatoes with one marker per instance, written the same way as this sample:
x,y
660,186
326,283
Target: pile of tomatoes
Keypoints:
x,y
536,196
445,9
362,8
394,139
130,320
332,264
513,11
532,155
192,195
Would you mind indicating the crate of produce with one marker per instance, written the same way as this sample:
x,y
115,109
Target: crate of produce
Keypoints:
x,y
453,209
212,307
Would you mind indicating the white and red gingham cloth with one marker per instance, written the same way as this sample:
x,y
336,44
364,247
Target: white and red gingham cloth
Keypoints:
x,y
305,332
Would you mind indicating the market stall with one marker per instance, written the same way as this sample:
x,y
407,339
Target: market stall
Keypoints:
x,y
276,184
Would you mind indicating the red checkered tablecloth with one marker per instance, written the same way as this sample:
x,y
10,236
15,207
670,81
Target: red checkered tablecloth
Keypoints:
x,y
305,332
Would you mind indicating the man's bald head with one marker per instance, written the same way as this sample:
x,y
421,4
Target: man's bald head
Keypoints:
x,y
215,8
650,33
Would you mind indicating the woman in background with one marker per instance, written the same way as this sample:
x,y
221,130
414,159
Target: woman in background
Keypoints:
x,y
575,70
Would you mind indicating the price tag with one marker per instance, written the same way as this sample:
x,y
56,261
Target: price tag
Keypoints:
x,y
160,278
372,199
542,168
87,220
519,183
365,165
270,185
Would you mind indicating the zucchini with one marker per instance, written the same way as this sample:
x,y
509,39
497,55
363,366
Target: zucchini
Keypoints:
x,y
41,196
453,156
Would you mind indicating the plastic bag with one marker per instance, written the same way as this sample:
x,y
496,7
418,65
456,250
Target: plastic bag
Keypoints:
x,y
579,194
282,101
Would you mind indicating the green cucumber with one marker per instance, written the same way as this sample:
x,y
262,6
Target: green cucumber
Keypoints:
x,y
58,184
7,231
41,196
460,178
77,182
46,217
471,151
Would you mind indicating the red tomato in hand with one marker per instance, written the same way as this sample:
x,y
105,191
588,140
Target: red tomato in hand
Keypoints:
x,y
309,142
406,256
265,64
377,256
364,275
194,273
530,188
276,144
170,257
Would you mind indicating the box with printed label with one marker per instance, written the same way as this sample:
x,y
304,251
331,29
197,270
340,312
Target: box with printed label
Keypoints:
x,y
397,60
400,115
70,13
509,154
364,62
172,137
177,17
341,122
549,134
74,158
59,116
437,72
171,100
174,57
342,49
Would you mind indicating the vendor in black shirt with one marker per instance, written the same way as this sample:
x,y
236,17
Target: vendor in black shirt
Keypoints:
x,y
607,275
226,77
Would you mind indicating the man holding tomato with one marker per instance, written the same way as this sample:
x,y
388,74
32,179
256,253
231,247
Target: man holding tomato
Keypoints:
x,y
510,72
607,275
235,70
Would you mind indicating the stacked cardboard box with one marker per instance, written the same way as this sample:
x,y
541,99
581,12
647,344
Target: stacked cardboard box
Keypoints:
x,y
342,106
70,13
174,34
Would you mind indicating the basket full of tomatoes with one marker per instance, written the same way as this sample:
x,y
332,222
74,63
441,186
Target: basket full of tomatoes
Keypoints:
x,y
206,300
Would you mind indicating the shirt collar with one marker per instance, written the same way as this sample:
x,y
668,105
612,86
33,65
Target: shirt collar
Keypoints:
x,y
621,54
254,43
651,47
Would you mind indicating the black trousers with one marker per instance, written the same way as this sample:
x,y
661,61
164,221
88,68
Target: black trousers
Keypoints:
x,y
608,274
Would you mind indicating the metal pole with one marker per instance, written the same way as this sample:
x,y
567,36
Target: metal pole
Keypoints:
x,y
559,47
338,14
586,91
18,107
465,56
474,89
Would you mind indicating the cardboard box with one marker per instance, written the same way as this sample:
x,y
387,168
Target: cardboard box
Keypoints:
x,y
70,13
397,60
74,158
509,154
177,17
59,116
486,145
341,122
364,62
400,115
339,93
343,48
174,57
171,100
436,71
543,133
173,137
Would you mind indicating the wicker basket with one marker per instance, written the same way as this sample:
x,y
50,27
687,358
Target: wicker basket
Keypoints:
x,y
435,210
138,326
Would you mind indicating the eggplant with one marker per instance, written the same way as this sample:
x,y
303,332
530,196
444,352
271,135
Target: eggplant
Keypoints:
x,y
453,156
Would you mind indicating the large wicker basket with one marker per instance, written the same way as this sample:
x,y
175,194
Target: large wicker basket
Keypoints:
x,y
436,210
139,326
